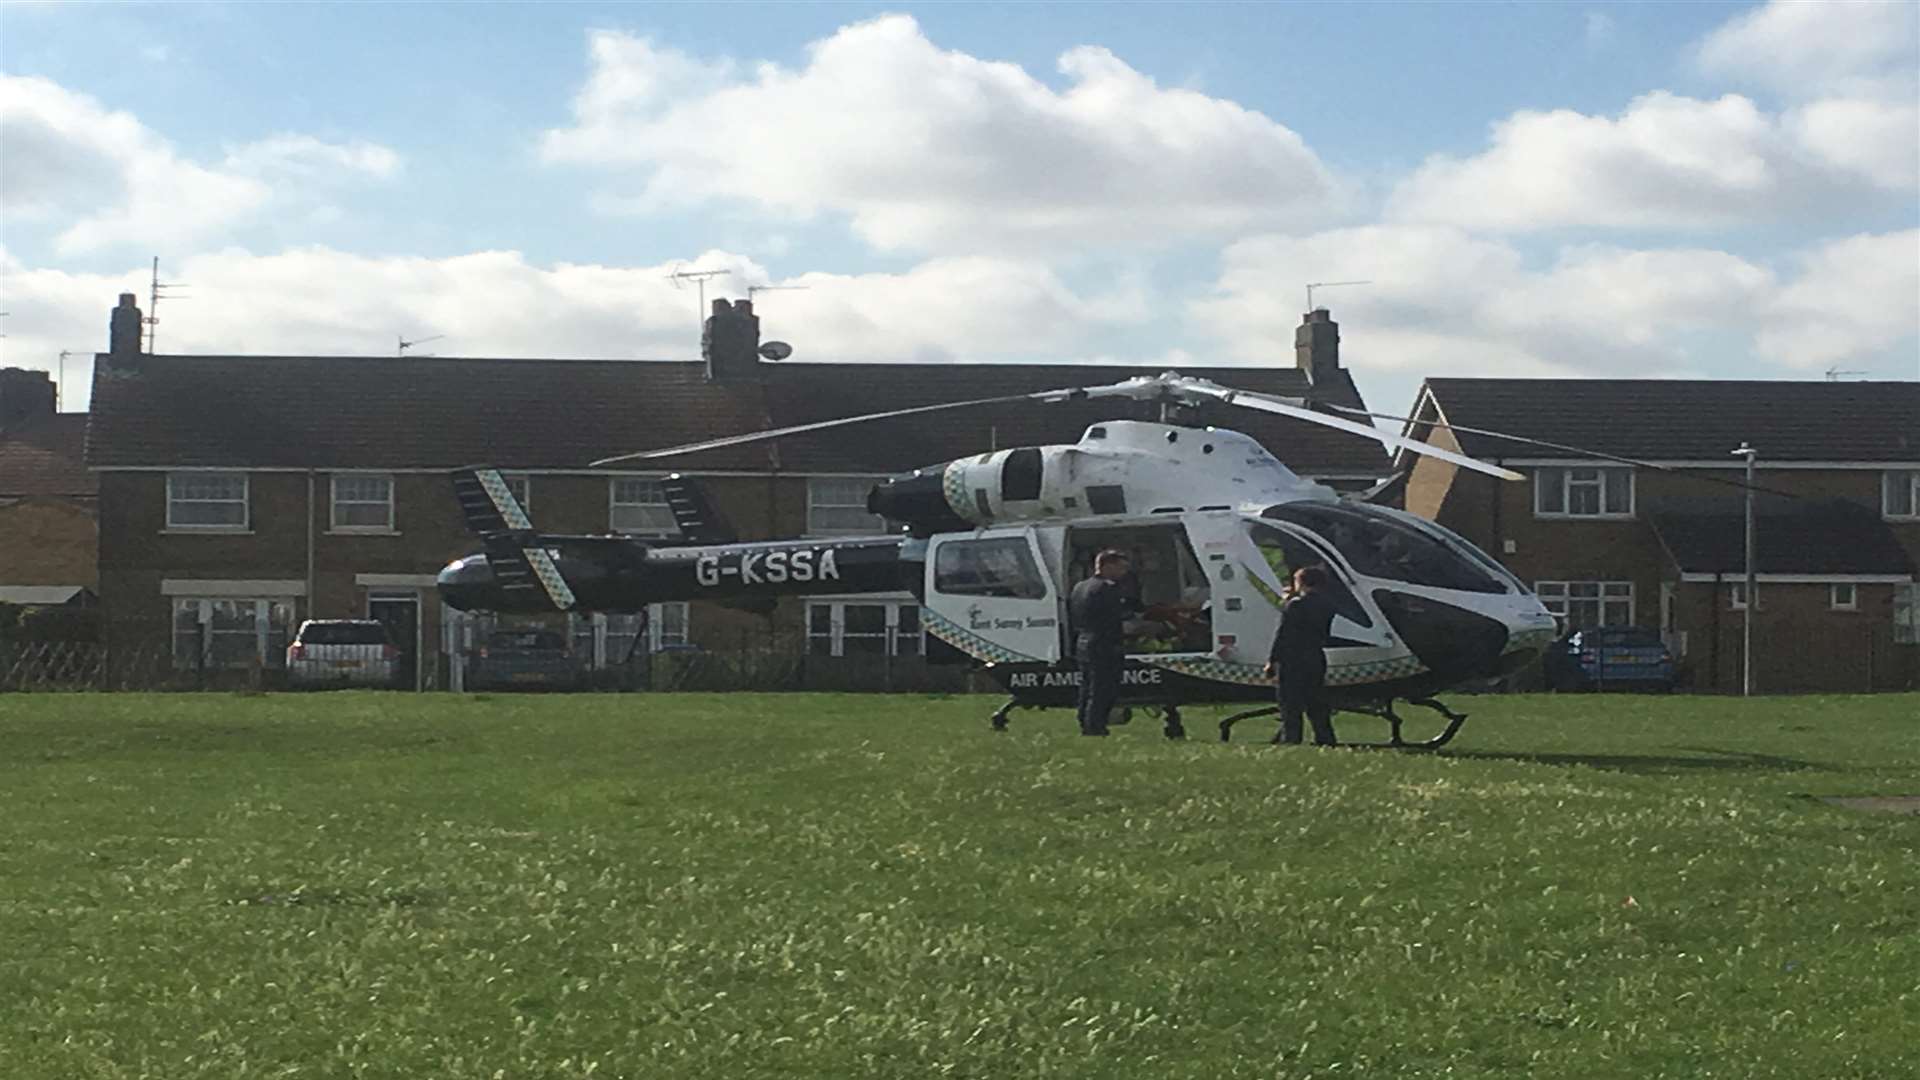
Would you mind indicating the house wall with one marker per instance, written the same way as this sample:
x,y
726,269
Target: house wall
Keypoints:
x,y
1800,644
48,542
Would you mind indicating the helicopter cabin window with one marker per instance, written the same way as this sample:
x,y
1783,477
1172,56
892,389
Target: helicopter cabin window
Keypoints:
x,y
639,507
1164,579
1583,491
1286,553
998,566
837,506
1900,493
1377,545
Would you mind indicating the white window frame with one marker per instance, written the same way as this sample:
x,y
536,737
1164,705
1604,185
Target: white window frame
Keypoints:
x,y
597,627
334,501
262,630
520,486
614,505
817,499
1906,613
1606,479
1737,596
1852,596
836,635
245,501
1890,482
1557,597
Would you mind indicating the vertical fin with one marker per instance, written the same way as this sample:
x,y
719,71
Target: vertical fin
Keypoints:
x,y
520,563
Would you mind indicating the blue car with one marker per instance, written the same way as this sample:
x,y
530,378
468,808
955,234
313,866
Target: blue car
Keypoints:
x,y
1610,658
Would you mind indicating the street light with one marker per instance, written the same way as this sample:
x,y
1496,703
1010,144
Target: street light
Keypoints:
x,y
1752,597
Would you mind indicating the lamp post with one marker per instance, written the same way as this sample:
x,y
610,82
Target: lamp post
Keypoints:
x,y
1751,595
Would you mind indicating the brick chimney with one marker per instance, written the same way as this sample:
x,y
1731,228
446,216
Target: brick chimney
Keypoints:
x,y
26,394
730,344
1316,346
123,334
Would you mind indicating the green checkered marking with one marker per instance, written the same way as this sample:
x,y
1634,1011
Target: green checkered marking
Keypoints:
x,y
1249,675
971,643
953,485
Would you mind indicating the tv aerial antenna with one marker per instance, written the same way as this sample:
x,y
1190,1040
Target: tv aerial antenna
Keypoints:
x,y
401,344
1836,373
751,289
1312,285
698,277
156,292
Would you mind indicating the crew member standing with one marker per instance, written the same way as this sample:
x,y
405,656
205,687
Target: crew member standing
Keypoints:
x,y
1099,609
1299,655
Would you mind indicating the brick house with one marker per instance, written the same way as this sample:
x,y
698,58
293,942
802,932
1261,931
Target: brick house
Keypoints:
x,y
48,532
241,494
1602,542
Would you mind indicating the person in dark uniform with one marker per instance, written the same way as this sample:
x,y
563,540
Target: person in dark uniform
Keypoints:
x,y
1299,657
1099,607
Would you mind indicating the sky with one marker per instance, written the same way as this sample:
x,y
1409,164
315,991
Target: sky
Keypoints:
x,y
1690,190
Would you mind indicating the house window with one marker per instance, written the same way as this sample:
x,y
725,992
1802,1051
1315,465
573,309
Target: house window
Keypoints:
x,y
1842,596
1906,614
1579,605
1583,491
862,628
1900,493
363,502
223,632
207,500
1737,597
639,507
520,486
606,639
837,505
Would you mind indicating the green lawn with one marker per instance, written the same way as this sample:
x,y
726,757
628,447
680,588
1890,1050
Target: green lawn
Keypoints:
x,y
770,885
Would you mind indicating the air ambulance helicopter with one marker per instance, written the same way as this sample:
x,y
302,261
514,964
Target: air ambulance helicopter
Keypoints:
x,y
993,543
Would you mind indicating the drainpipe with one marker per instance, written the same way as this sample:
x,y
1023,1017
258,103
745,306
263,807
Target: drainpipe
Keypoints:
x,y
310,585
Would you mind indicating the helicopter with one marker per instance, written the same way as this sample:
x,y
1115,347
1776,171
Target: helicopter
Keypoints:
x,y
993,543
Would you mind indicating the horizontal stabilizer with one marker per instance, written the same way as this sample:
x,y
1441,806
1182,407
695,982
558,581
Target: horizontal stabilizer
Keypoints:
x,y
521,563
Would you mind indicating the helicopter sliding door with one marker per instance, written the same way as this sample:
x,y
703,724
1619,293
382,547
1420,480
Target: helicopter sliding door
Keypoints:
x,y
989,594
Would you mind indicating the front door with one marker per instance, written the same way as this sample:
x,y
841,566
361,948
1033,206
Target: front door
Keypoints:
x,y
989,594
401,614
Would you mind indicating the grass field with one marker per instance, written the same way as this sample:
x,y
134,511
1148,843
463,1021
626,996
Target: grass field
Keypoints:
x,y
743,886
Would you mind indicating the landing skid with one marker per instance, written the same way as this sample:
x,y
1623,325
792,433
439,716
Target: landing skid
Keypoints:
x,y
1385,711
1171,726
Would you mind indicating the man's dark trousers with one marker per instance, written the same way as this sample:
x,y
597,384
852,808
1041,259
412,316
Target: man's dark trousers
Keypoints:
x,y
1099,686
1303,690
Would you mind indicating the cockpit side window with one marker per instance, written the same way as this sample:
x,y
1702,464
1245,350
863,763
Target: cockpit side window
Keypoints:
x,y
1377,546
1286,553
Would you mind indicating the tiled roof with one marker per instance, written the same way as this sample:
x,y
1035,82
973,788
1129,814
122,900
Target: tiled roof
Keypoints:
x,y
1688,420
361,412
1827,538
44,456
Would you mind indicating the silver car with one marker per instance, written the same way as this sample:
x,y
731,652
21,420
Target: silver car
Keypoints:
x,y
341,652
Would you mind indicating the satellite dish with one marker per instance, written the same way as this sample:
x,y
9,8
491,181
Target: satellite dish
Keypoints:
x,y
776,350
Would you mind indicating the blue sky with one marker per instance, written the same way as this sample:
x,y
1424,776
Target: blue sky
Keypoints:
x,y
1639,190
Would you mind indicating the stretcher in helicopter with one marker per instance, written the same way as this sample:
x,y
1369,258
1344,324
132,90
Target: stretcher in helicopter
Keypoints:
x,y
992,544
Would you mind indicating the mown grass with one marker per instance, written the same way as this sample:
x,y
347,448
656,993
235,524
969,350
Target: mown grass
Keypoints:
x,y
742,886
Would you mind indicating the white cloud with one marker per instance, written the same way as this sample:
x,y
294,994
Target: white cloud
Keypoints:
x,y
107,181
1854,297
1666,162
1858,48
495,303
925,149
1444,302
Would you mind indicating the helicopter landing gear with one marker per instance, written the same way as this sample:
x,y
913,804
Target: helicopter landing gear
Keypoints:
x,y
1173,729
1395,740
1000,715
1226,726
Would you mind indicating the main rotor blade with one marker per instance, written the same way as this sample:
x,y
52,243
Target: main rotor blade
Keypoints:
x,y
1250,400
822,425
1582,451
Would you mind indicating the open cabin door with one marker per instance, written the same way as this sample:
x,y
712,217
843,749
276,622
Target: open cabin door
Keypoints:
x,y
989,594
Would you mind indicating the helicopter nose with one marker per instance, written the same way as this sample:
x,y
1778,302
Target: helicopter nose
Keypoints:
x,y
468,584
1446,638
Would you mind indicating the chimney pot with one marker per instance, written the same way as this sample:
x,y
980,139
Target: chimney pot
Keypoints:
x,y
123,332
25,394
1316,346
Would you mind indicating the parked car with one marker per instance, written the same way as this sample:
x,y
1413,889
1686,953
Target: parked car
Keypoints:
x,y
524,658
1610,658
342,652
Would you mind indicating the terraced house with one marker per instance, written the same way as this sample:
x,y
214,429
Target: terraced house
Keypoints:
x,y
241,494
1663,544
